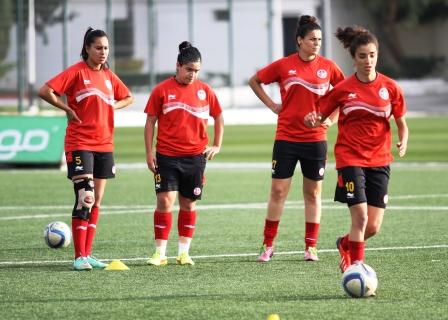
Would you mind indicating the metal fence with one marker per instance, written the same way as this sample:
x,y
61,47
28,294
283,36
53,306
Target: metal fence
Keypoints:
x,y
39,38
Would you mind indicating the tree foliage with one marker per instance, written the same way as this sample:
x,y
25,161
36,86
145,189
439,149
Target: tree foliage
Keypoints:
x,y
6,20
47,13
390,15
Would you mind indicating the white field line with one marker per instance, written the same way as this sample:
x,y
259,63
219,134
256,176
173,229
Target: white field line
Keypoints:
x,y
213,206
216,165
220,207
123,209
267,165
229,255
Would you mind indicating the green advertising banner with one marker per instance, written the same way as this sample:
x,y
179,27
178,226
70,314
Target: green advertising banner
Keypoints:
x,y
32,139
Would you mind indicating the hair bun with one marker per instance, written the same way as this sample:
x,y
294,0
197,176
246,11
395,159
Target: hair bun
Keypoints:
x,y
184,45
307,19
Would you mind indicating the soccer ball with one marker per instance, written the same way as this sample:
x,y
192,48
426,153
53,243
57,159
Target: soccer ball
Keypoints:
x,y
57,235
359,280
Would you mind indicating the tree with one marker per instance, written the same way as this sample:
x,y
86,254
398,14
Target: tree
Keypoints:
x,y
388,15
47,13
6,21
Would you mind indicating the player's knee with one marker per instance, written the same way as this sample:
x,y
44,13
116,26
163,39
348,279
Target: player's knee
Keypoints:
x,y
164,203
84,191
312,195
278,194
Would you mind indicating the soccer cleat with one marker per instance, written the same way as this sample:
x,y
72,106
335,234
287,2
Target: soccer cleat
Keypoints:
x,y
157,259
311,254
81,264
345,260
96,264
184,259
266,253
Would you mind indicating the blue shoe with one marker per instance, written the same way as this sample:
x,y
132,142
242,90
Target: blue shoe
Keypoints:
x,y
96,264
81,264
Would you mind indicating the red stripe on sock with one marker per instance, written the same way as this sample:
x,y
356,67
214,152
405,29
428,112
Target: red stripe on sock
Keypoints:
x,y
79,231
162,225
186,223
91,229
311,234
270,232
356,251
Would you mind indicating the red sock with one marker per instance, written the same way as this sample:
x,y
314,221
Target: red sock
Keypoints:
x,y
91,229
162,225
270,232
356,251
344,242
186,223
79,231
311,234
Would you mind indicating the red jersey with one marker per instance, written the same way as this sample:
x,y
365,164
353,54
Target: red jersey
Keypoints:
x,y
364,134
182,115
301,84
92,94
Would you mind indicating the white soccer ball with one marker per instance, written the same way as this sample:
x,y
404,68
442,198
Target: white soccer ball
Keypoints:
x,y
57,234
359,280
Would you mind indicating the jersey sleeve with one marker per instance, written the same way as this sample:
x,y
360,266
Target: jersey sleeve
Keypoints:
x,y
327,103
120,89
215,106
336,75
155,102
269,73
398,102
63,82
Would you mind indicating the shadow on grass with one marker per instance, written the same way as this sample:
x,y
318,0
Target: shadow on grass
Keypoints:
x,y
258,298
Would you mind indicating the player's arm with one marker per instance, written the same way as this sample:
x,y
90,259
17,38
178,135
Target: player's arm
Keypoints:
x,y
255,85
332,119
217,138
403,135
150,125
123,103
313,119
48,94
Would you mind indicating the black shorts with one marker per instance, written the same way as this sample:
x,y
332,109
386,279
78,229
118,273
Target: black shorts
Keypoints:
x,y
357,185
100,164
312,157
183,174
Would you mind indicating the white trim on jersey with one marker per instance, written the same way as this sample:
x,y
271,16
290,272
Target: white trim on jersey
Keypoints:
x,y
359,105
319,88
199,112
82,94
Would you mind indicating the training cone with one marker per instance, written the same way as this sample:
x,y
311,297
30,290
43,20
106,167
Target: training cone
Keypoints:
x,y
116,265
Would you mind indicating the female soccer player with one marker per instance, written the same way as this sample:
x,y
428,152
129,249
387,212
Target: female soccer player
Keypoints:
x,y
302,77
93,92
181,106
366,101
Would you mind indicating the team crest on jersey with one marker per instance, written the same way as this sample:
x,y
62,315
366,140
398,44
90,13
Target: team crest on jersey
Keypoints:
x,y
384,94
321,73
201,94
197,191
108,84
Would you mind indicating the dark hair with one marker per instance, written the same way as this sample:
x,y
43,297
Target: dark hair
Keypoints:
x,y
188,53
354,37
89,38
306,24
